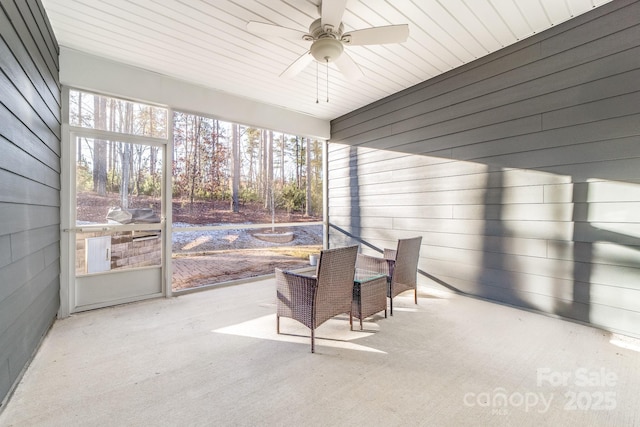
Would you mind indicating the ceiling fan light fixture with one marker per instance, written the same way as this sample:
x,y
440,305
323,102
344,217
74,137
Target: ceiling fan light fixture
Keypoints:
x,y
326,49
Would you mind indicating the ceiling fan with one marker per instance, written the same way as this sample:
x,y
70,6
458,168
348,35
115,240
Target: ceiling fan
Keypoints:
x,y
328,39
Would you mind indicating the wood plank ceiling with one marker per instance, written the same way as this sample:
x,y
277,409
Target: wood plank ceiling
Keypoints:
x,y
206,42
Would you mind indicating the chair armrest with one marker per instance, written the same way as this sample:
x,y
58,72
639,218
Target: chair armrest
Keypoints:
x,y
291,279
390,254
371,263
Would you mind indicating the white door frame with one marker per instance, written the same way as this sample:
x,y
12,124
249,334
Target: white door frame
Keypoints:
x,y
68,297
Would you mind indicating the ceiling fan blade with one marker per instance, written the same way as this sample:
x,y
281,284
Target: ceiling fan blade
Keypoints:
x,y
297,65
331,12
275,30
377,35
348,67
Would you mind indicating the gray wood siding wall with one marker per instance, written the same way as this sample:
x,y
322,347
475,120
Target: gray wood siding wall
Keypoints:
x,y
29,184
520,170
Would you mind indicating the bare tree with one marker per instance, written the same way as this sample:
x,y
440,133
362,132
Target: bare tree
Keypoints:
x,y
307,208
126,150
235,168
100,148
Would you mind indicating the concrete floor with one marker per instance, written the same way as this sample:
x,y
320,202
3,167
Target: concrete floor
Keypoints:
x,y
213,358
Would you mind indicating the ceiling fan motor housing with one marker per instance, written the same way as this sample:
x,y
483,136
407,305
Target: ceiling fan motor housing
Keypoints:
x,y
327,49
327,46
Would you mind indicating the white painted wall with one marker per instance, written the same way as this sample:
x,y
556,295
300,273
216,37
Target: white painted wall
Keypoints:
x,y
89,72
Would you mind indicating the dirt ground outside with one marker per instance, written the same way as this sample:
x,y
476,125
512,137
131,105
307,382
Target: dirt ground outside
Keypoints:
x,y
209,257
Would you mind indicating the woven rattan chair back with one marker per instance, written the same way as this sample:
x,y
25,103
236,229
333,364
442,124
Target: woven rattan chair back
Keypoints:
x,y
336,269
314,300
403,268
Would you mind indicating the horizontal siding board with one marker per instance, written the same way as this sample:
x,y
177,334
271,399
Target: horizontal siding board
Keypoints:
x,y
19,301
5,250
489,151
450,134
557,90
45,26
613,170
22,163
406,100
45,65
550,230
582,212
607,212
614,106
20,273
626,17
48,88
47,152
16,218
28,83
584,252
389,194
564,288
478,243
364,156
6,379
583,54
606,191
435,140
396,165
442,211
28,330
622,321
42,121
31,14
517,282
36,239
52,254
596,252
31,192
436,178
374,222
439,170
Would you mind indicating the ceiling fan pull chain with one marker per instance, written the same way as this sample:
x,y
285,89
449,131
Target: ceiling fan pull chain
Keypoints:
x,y
327,59
317,86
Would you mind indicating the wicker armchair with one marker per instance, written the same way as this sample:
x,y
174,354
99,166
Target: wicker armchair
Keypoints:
x,y
314,300
400,265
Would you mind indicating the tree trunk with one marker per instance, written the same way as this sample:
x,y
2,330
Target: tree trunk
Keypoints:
x,y
127,164
80,121
235,168
100,148
307,208
194,159
282,150
265,177
125,157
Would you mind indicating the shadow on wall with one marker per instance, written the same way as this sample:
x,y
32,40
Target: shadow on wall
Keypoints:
x,y
535,238
497,281
354,188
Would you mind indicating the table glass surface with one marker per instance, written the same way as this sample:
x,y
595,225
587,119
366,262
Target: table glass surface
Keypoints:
x,y
362,276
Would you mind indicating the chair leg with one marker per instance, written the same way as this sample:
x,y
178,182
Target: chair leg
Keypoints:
x,y
277,324
391,306
351,320
415,292
360,322
313,350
